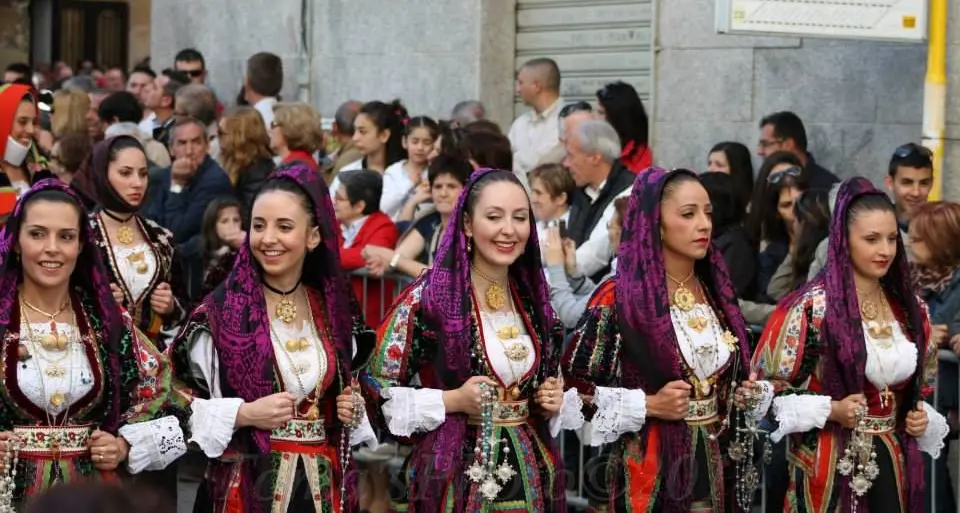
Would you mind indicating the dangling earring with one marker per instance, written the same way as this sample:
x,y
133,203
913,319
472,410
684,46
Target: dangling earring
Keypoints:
x,y
469,245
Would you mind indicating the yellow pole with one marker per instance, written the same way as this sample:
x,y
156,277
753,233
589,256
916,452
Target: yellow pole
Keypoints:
x,y
935,92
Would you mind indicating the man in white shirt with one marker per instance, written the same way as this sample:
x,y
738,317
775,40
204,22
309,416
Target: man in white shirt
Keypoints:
x,y
593,151
535,133
263,83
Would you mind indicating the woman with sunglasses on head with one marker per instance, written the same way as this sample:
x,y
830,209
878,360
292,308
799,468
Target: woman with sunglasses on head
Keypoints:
x,y
139,254
658,352
478,331
267,356
83,390
849,360
770,222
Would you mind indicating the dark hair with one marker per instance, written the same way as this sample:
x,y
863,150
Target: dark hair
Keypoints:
x,y
19,67
482,125
450,136
99,498
741,169
146,70
363,185
550,70
620,206
124,143
676,178
121,106
728,211
488,150
176,75
190,55
787,125
56,196
388,116
812,210
74,148
422,122
625,112
493,177
265,73
345,116
286,185
211,242
570,108
763,222
183,121
910,155
869,203
447,164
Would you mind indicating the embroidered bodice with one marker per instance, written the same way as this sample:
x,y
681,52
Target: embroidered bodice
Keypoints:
x,y
54,380
137,266
508,346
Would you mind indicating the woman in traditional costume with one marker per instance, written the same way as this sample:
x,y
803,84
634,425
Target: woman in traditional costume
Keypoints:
x,y
658,352
478,332
83,391
849,361
267,356
139,253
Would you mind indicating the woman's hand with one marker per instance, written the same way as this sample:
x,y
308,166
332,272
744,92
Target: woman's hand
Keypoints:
x,y
672,402
553,247
570,257
844,412
549,396
267,413
955,344
377,259
107,451
747,395
161,301
917,421
117,293
422,194
938,334
4,437
346,406
468,398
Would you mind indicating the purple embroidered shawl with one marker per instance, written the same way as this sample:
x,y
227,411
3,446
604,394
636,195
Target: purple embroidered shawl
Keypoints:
x,y
90,276
448,307
845,355
239,322
651,355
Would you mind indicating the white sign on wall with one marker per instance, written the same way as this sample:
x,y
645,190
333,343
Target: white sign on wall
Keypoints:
x,y
886,20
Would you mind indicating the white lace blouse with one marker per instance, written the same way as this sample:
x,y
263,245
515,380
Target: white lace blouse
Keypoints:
x,y
55,380
889,362
410,410
213,420
136,265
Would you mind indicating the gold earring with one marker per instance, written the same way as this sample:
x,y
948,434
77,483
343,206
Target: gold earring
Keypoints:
x,y
469,245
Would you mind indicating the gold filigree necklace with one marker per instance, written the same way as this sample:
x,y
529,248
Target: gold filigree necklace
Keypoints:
x,y
496,295
286,309
55,341
683,298
125,234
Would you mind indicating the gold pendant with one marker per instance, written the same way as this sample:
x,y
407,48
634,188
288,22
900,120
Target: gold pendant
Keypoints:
x,y
57,399
883,333
313,413
515,392
517,352
684,299
886,397
869,309
286,310
508,333
142,269
55,371
52,342
730,340
296,345
698,323
705,388
496,296
125,235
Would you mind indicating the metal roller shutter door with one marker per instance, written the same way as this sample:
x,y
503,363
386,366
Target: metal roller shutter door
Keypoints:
x,y
593,41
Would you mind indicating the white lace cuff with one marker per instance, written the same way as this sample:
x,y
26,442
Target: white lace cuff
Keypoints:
x,y
363,434
799,414
571,413
212,424
766,398
932,440
153,444
411,410
619,411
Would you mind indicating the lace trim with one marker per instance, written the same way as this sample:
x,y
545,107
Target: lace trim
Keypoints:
x,y
364,434
934,438
799,414
212,423
154,444
409,410
766,398
571,413
619,411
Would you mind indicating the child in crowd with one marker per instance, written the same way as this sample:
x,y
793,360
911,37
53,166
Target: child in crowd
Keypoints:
x,y
401,179
222,236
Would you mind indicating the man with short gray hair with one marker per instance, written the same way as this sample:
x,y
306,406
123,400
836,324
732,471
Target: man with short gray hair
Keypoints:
x,y
593,157
467,112
198,102
342,132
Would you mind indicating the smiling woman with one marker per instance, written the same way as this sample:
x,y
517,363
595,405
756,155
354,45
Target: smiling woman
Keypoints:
x,y
21,162
82,387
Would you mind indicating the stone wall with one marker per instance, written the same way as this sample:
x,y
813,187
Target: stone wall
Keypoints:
x,y
14,32
859,100
429,53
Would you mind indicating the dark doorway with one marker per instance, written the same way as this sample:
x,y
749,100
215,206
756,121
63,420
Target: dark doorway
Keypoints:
x,y
91,31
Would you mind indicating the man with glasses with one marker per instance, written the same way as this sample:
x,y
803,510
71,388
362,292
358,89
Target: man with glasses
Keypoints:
x,y
191,62
909,180
784,131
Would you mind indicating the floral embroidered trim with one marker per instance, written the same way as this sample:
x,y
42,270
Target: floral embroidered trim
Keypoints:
x,y
54,442
301,431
